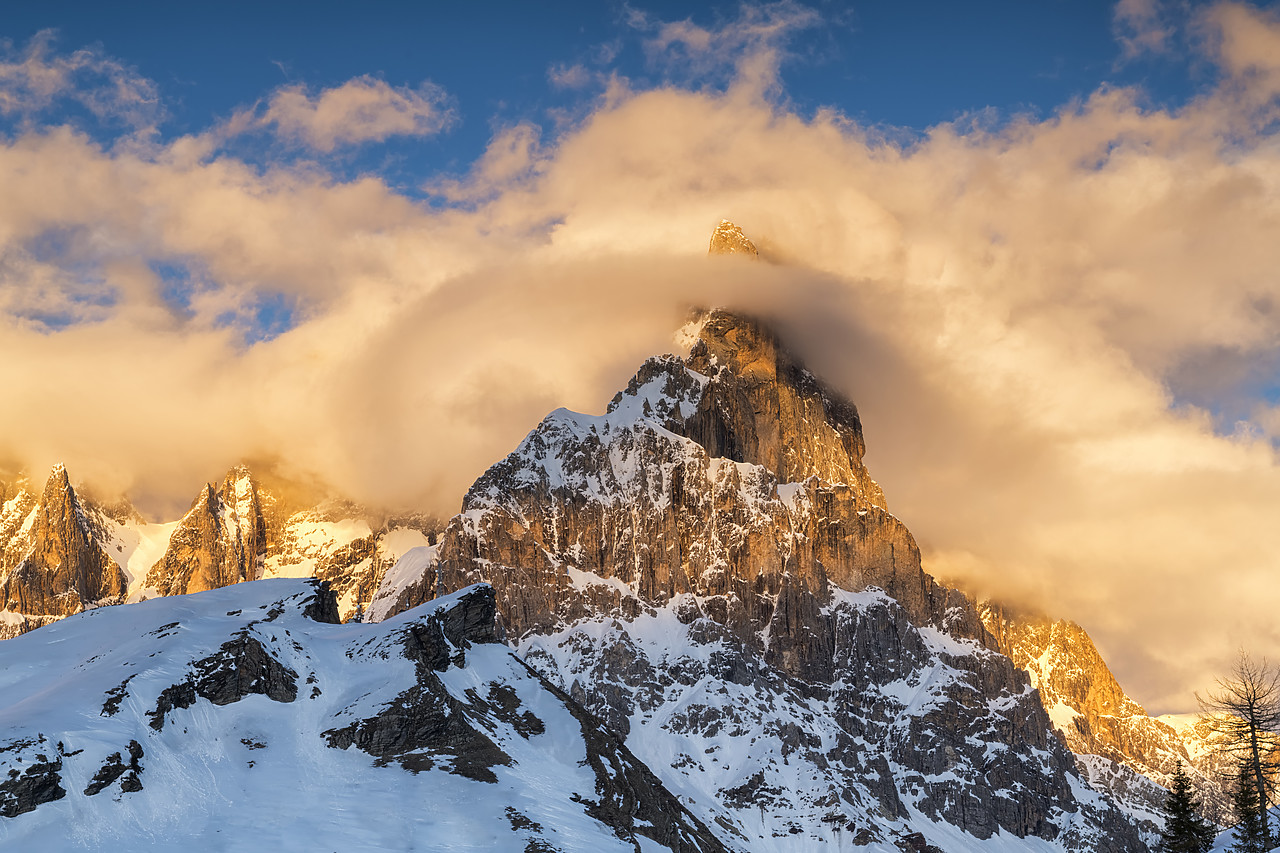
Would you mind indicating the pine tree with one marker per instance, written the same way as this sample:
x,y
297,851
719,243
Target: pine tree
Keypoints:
x,y
1184,830
1250,835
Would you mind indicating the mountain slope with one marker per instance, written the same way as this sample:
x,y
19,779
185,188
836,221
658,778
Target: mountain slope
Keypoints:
x,y
200,721
710,568
1120,748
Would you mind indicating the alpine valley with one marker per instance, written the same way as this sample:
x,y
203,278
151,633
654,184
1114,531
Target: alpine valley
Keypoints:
x,y
690,623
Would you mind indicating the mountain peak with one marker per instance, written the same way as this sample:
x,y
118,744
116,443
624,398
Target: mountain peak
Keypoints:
x,y
728,239
58,480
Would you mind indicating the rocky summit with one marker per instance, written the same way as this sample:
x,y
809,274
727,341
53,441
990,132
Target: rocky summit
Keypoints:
x,y
711,570
53,563
690,623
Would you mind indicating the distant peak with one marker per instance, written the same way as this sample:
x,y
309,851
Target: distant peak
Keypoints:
x,y
58,476
728,239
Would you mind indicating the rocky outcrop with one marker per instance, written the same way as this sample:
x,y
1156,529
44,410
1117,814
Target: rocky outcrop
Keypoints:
x,y
728,239
721,504
248,528
220,541
1122,749
63,568
645,497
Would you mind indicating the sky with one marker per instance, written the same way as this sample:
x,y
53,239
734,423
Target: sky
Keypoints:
x,y
1035,243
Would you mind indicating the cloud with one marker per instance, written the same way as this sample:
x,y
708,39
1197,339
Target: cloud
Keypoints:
x,y
1141,27
36,78
1050,326
1247,43
752,47
361,110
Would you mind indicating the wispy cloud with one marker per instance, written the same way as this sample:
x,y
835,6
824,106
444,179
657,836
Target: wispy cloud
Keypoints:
x,y
1142,27
751,48
36,77
359,111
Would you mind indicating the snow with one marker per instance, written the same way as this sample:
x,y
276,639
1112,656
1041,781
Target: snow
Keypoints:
x,y
407,571
398,541
258,774
309,540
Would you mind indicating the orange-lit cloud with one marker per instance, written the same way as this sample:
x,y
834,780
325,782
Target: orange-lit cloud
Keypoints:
x,y
33,79
1019,311
361,110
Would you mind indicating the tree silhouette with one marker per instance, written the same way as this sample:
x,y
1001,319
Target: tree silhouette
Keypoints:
x,y
1245,713
1184,830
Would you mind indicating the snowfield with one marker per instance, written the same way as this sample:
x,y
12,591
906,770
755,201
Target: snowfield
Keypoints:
x,y
259,773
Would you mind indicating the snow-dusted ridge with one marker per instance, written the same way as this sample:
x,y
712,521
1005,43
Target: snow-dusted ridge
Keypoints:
x,y
239,719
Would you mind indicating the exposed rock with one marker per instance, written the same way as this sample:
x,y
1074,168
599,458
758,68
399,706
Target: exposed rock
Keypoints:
x,y
220,541
63,569
244,530
436,689
39,782
723,501
1121,749
114,768
728,239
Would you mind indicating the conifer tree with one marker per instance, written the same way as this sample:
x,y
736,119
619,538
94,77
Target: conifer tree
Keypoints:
x,y
1184,830
1250,834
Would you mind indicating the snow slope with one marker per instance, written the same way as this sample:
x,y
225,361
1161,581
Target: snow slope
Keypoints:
x,y
234,720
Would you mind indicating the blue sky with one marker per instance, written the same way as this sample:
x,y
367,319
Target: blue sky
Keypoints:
x,y
907,65
1034,242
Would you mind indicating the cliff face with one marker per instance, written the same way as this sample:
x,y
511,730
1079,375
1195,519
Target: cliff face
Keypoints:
x,y
53,562
243,530
220,541
1121,749
710,568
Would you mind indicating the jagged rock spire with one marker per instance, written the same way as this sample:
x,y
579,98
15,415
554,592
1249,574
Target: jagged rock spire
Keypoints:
x,y
728,239
220,541
64,568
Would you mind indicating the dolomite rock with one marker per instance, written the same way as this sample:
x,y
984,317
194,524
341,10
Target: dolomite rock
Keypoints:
x,y
728,239
220,541
1121,749
721,503
249,528
62,569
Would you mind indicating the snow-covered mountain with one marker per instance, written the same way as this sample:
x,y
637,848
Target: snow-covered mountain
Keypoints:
x,y
711,570
61,553
243,718
1119,748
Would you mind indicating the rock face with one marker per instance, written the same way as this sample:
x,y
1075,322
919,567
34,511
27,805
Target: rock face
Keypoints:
x,y
220,711
709,568
220,541
1119,748
53,564
243,531
61,552
728,239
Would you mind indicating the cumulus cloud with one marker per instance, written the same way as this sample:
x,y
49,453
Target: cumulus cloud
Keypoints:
x,y
1042,322
361,110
